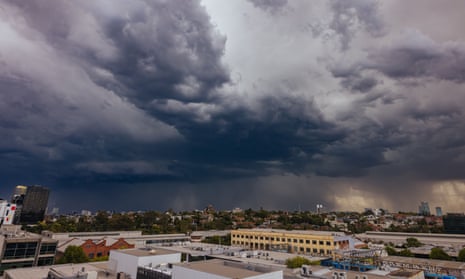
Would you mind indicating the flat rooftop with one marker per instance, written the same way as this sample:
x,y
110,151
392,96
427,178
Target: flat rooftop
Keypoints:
x,y
428,238
304,232
65,270
404,273
222,268
14,232
423,262
144,252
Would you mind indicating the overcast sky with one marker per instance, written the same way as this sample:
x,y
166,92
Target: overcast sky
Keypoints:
x,y
279,104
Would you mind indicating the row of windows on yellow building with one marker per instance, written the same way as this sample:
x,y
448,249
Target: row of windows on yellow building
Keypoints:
x,y
307,242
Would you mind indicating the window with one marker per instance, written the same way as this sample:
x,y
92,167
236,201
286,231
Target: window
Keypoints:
x,y
307,241
307,250
328,243
91,255
295,240
16,265
301,241
315,250
301,249
45,261
20,250
289,240
322,251
48,248
314,242
322,242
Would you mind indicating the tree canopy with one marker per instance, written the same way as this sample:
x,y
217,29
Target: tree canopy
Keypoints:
x,y
73,254
405,253
413,242
461,256
296,262
438,254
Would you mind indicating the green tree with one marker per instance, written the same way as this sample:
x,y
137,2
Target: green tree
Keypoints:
x,y
391,251
438,254
101,221
223,240
413,242
73,254
461,256
405,253
296,262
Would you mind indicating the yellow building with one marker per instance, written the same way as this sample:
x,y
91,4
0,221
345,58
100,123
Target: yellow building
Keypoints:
x,y
318,243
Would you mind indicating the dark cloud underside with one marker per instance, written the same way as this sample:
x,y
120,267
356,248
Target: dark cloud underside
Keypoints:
x,y
161,97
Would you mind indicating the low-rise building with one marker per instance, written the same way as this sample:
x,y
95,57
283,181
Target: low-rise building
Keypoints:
x,y
219,269
198,236
23,249
95,248
64,271
128,261
132,237
320,243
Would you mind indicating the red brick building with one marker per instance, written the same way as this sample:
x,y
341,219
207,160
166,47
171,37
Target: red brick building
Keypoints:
x,y
98,248
102,248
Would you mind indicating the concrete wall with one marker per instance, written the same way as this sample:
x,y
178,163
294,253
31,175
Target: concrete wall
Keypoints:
x,y
159,259
124,263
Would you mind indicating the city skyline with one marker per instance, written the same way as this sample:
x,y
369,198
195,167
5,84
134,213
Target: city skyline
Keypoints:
x,y
274,104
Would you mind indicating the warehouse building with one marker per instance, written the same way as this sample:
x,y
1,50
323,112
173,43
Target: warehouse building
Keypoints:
x,y
315,243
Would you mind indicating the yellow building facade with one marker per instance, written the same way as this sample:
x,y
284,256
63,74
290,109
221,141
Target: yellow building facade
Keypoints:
x,y
315,243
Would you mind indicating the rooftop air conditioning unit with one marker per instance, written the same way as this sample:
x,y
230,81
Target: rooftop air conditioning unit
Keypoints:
x,y
305,271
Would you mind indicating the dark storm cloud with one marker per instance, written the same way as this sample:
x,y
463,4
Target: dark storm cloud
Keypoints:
x,y
359,83
445,61
286,129
171,52
102,95
150,49
351,16
69,79
269,5
413,55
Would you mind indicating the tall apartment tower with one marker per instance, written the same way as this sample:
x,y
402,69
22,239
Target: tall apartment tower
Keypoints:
x,y
31,202
423,209
439,211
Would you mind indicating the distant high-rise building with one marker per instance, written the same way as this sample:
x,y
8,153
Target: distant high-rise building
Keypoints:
x,y
454,223
423,209
55,211
31,203
20,190
438,211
